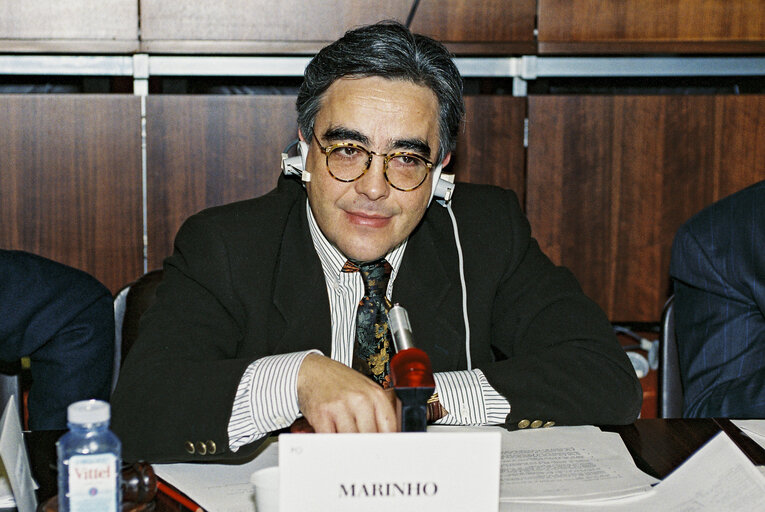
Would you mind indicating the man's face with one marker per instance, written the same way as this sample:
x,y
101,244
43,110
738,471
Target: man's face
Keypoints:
x,y
367,218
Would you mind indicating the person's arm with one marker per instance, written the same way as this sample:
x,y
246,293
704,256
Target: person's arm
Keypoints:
x,y
719,326
266,398
553,353
467,398
174,396
63,319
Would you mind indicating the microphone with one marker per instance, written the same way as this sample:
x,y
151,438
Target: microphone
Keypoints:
x,y
411,373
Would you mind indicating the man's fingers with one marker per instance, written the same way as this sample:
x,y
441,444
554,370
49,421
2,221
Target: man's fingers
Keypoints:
x,y
335,398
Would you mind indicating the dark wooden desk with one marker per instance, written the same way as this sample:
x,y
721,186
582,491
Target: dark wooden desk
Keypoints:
x,y
658,446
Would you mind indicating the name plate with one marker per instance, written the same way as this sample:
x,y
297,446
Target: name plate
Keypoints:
x,y
423,472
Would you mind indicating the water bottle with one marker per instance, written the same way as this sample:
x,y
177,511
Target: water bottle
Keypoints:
x,y
89,459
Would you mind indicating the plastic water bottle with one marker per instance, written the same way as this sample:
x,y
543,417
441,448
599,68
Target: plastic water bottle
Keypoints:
x,y
89,459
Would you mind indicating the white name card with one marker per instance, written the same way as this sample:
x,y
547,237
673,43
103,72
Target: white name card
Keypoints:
x,y
423,472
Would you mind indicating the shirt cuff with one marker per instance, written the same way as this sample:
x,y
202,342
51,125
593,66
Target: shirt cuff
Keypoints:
x,y
266,398
469,399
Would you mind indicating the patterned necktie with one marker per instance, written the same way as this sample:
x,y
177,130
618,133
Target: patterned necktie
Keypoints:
x,y
372,350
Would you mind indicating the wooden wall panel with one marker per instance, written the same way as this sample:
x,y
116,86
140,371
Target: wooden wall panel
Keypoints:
x,y
650,26
491,148
234,26
70,181
209,150
81,26
479,26
611,178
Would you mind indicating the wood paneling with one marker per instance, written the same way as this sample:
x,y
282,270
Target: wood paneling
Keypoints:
x,y
473,26
491,148
651,26
209,150
611,178
234,26
80,26
70,181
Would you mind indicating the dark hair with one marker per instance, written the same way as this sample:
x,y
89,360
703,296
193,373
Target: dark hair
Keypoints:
x,y
389,50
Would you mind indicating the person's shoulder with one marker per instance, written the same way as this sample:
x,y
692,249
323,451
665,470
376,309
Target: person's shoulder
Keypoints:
x,y
481,197
263,211
735,209
38,272
482,203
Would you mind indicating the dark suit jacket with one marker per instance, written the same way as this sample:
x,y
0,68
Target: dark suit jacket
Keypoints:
x,y
244,282
718,264
63,319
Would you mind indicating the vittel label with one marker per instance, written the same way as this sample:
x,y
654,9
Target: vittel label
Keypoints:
x,y
93,483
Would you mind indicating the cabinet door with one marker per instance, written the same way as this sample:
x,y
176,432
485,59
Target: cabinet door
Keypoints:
x,y
479,26
651,26
611,179
70,181
263,26
490,150
208,150
81,26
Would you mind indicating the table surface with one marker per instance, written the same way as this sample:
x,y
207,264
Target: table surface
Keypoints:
x,y
658,446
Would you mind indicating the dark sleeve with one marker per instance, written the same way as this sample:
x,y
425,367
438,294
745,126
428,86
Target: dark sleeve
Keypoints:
x,y
556,358
177,385
62,319
719,325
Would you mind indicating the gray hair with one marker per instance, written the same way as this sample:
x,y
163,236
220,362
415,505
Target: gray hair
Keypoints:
x,y
389,50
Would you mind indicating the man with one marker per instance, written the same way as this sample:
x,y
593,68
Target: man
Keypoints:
x,y
718,266
255,321
63,319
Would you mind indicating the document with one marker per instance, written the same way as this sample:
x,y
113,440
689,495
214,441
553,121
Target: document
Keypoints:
x,y
755,429
717,477
14,456
220,487
568,463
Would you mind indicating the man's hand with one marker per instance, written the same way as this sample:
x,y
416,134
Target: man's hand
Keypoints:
x,y
335,398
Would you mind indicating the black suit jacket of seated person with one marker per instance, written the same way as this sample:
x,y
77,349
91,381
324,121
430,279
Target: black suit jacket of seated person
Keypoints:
x,y
245,282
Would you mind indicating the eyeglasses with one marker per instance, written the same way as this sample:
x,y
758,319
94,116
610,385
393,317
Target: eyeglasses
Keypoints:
x,y
348,162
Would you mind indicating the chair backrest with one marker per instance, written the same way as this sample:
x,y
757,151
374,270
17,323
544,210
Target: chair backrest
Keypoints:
x,y
670,384
120,301
129,304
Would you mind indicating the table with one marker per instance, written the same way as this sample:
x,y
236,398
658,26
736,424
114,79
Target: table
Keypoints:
x,y
658,446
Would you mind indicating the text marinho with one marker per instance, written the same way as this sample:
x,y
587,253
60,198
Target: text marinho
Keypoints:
x,y
388,489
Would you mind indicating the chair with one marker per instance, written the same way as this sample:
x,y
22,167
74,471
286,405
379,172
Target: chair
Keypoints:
x,y
670,385
129,304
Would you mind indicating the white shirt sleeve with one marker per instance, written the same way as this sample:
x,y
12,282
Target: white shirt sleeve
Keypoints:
x,y
469,399
266,398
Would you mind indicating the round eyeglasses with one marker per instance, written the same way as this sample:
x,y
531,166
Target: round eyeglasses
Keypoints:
x,y
348,162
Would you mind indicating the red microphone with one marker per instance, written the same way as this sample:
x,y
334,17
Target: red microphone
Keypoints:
x,y
411,373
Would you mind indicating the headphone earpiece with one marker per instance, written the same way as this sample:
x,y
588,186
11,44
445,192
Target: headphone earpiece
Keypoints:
x,y
295,165
303,150
442,186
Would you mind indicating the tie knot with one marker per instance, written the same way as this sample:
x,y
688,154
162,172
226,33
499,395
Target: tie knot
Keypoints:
x,y
375,276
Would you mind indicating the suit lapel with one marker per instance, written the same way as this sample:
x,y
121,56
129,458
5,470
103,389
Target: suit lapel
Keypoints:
x,y
428,286
300,292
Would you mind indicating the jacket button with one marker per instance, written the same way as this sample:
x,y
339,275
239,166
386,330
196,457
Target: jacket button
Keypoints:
x,y
211,447
536,423
201,448
189,447
523,423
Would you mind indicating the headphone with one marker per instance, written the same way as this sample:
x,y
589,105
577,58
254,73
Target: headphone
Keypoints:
x,y
442,190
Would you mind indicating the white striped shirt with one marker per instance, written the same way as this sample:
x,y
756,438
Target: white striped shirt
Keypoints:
x,y
266,399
